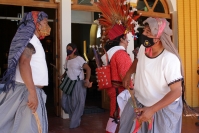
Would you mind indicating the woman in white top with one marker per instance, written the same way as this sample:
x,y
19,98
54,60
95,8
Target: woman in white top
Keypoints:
x,y
74,104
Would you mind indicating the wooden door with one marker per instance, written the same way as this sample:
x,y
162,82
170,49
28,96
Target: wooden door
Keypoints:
x,y
105,100
56,54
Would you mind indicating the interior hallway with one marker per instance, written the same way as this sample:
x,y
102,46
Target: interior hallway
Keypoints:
x,y
96,123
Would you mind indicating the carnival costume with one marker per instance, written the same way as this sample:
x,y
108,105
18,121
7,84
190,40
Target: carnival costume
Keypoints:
x,y
117,19
15,115
152,82
120,62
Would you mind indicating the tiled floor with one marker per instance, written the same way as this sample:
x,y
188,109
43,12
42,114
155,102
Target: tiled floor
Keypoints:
x,y
96,123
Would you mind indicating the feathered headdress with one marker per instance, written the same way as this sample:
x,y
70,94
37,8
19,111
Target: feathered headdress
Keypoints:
x,y
117,18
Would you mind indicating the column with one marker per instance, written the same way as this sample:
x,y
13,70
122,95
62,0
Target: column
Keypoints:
x,y
65,29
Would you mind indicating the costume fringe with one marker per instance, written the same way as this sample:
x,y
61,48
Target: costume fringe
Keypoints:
x,y
187,110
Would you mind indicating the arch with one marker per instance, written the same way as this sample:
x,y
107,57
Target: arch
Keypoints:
x,y
171,5
149,12
164,3
169,13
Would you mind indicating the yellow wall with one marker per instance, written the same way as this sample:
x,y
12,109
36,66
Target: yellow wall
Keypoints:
x,y
188,31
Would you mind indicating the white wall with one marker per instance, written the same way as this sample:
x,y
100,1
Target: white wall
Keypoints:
x,y
173,10
172,5
130,47
65,29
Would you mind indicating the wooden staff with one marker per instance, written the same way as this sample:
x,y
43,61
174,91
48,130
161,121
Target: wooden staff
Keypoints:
x,y
38,122
133,99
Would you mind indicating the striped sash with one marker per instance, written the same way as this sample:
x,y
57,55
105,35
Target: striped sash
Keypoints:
x,y
67,85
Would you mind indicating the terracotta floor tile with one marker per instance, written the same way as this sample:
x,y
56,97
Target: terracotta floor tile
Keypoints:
x,y
96,123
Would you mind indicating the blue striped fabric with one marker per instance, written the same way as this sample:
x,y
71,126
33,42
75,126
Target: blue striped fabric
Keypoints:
x,y
1,87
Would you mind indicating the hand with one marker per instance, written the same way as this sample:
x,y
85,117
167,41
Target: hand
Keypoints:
x,y
126,81
33,101
60,77
87,83
146,113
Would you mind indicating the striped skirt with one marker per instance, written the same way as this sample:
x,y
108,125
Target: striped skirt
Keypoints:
x,y
16,116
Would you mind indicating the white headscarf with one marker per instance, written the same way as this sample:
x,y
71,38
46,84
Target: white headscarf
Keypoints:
x,y
160,28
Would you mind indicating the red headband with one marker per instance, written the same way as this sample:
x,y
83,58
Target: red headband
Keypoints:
x,y
35,16
116,31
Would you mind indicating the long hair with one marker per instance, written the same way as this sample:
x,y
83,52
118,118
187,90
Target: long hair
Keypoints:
x,y
74,46
114,42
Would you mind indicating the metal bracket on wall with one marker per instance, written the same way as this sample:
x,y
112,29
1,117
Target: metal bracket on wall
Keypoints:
x,y
57,56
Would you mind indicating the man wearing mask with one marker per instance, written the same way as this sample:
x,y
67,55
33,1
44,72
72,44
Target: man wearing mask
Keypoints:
x,y
158,83
22,102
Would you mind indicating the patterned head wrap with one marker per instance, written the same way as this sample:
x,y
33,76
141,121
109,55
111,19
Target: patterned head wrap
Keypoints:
x,y
160,28
22,37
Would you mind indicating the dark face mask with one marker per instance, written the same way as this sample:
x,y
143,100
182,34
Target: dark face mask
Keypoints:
x,y
69,52
146,41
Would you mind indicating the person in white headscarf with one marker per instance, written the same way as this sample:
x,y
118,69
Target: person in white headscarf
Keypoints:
x,y
158,83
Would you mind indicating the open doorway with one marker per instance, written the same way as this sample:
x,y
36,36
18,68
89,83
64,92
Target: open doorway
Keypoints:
x,y
81,35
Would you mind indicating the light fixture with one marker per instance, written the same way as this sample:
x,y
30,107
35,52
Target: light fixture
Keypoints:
x,y
133,3
92,1
57,1
43,0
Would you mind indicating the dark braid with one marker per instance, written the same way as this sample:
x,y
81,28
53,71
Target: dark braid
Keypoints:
x,y
114,42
